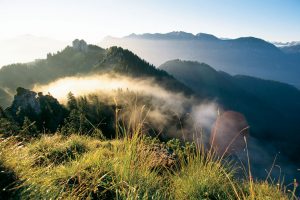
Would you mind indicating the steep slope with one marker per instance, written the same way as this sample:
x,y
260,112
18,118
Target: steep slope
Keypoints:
x,y
70,61
125,62
82,59
246,55
271,107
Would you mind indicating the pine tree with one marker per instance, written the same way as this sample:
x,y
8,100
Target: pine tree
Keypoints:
x,y
72,102
72,123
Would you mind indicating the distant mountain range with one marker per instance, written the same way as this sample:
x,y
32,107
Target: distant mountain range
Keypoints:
x,y
246,55
286,44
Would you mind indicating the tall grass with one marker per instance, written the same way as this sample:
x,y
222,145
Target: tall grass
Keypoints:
x,y
132,166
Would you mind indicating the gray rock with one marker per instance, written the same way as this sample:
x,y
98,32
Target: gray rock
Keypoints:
x,y
24,99
80,45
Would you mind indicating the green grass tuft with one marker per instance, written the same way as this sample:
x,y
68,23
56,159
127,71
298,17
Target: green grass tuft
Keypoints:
x,y
131,167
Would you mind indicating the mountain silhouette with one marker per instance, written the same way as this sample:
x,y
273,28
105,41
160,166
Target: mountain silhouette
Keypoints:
x,y
246,55
81,59
272,108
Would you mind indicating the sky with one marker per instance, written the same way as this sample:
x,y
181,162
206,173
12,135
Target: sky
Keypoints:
x,y
272,20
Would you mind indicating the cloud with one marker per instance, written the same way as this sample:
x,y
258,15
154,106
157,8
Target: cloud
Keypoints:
x,y
166,108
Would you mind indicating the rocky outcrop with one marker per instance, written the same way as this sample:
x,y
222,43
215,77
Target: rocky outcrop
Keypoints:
x,y
25,99
80,45
45,110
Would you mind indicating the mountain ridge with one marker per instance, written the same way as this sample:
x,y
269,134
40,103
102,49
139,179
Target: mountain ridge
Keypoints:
x,y
245,55
269,106
185,35
82,58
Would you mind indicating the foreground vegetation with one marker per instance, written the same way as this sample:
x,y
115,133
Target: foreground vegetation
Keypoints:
x,y
96,149
89,149
129,167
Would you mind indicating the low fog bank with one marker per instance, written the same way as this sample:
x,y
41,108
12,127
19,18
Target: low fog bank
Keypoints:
x,y
162,103
173,115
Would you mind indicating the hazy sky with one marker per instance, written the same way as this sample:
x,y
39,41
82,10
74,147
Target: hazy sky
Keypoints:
x,y
274,20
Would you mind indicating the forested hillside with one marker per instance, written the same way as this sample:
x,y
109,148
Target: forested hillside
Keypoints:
x,y
270,107
80,59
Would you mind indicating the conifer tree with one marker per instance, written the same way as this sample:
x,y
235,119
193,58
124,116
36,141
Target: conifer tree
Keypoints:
x,y
72,102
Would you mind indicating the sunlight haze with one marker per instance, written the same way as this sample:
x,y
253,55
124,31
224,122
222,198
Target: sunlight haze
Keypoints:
x,y
270,19
92,20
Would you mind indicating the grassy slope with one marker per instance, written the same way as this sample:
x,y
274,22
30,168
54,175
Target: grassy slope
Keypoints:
x,y
80,167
